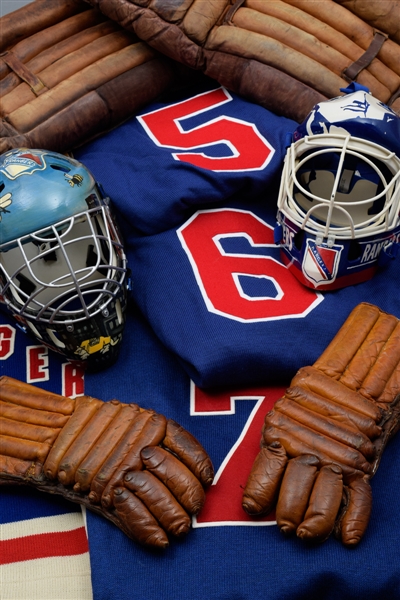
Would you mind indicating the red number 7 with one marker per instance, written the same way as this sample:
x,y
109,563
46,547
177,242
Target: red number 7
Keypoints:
x,y
224,499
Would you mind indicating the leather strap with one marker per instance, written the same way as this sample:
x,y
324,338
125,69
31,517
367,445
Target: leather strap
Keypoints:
x,y
231,12
394,97
14,63
352,71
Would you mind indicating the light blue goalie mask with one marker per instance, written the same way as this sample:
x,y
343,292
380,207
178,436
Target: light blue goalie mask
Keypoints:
x,y
63,270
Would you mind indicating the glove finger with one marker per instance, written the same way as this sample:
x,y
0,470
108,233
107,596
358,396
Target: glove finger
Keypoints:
x,y
295,492
117,455
186,488
326,426
326,407
295,446
24,449
354,522
136,520
337,451
86,407
152,432
99,422
20,393
159,500
23,414
315,380
263,482
98,455
324,504
190,451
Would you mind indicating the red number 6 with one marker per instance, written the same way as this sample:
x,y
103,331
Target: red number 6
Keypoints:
x,y
218,273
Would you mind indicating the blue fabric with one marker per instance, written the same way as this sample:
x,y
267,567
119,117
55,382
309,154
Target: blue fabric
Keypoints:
x,y
221,561
217,376
154,190
14,506
161,199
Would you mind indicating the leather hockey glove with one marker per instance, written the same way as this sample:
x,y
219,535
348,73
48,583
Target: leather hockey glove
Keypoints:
x,y
140,470
323,440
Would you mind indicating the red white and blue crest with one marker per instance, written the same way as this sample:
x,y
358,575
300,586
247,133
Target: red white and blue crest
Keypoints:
x,y
20,163
321,262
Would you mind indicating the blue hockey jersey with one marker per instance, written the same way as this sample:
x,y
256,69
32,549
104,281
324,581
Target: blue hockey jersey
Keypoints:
x,y
216,329
226,555
195,180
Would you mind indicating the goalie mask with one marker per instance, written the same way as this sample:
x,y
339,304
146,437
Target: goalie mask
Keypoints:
x,y
63,271
339,200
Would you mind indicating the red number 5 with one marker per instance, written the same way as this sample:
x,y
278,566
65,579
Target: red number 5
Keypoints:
x,y
246,148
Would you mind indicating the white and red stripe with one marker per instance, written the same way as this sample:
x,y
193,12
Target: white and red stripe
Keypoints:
x,y
45,558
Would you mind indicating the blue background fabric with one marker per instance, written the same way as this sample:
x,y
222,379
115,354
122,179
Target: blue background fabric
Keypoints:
x,y
157,196
215,375
223,560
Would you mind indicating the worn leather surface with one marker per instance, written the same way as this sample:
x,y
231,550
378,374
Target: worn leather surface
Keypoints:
x,y
285,55
324,439
69,74
135,467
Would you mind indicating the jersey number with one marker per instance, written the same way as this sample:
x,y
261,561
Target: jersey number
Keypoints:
x,y
219,274
244,148
223,504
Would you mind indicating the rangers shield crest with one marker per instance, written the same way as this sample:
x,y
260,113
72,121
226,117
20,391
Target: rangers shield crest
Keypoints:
x,y
321,262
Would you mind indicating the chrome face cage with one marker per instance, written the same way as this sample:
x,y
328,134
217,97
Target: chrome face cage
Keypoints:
x,y
387,219
76,293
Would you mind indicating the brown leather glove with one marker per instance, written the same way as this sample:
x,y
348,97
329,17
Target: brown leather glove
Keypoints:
x,y
286,55
323,440
69,74
140,470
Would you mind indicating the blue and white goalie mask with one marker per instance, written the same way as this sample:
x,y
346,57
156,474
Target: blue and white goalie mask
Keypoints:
x,y
339,200
63,270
